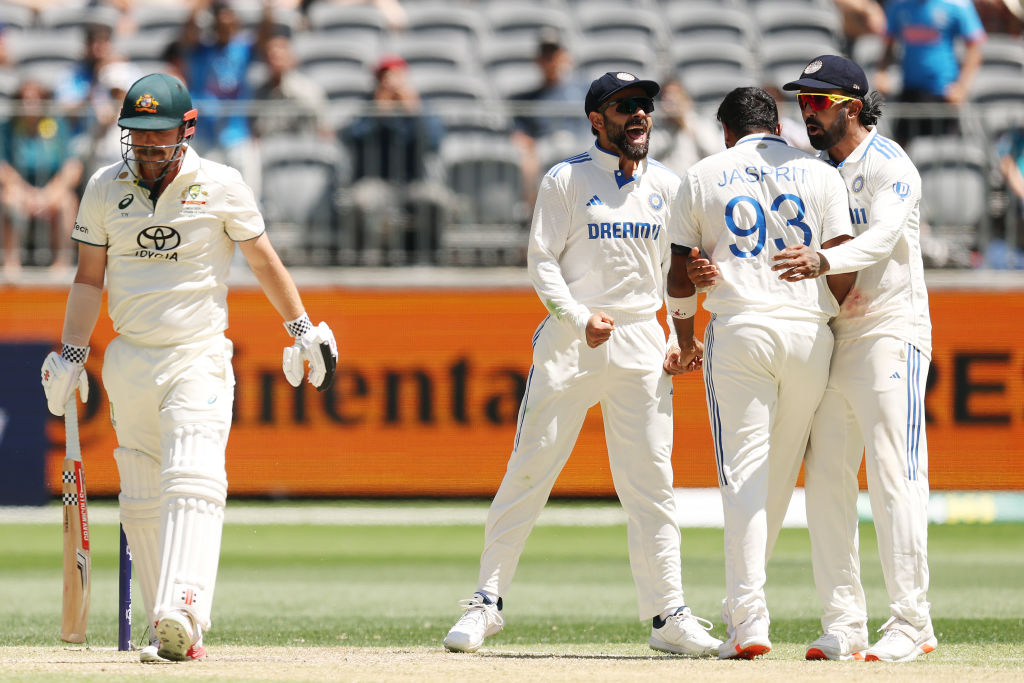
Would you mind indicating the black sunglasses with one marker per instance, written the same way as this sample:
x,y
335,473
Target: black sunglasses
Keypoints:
x,y
629,105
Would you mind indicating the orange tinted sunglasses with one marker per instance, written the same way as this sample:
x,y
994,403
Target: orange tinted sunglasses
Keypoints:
x,y
820,101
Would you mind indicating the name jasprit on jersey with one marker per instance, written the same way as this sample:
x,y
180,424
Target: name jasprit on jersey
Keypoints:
x,y
623,230
753,174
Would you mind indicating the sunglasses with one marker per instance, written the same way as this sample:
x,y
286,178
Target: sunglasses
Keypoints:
x,y
629,105
820,101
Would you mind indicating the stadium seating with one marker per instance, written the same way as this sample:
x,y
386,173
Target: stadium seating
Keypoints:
x,y
300,177
445,22
348,22
608,22
720,23
954,185
527,19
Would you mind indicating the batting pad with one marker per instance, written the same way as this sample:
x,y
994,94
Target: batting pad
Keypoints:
x,y
192,518
140,517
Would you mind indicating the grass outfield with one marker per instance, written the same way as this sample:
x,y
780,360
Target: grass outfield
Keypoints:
x,y
397,587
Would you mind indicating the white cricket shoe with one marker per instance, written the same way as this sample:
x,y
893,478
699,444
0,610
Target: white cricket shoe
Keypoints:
x,y
901,642
682,633
481,618
747,640
837,646
179,639
150,654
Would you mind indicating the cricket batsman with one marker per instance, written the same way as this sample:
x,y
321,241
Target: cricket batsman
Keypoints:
x,y
161,226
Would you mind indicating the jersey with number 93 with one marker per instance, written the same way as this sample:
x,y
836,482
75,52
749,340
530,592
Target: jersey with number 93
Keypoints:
x,y
744,205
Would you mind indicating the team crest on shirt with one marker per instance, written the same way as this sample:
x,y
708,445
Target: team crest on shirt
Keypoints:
x,y
193,198
656,201
858,184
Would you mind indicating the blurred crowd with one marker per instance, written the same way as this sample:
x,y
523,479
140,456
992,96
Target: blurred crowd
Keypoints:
x,y
386,132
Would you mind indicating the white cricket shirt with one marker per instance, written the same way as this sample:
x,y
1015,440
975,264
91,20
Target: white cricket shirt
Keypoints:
x,y
599,240
744,205
167,265
889,296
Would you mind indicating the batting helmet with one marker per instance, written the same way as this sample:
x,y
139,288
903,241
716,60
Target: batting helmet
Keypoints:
x,y
157,102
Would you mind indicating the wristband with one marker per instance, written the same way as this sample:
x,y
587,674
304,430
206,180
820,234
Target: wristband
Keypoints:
x,y
299,326
682,308
74,354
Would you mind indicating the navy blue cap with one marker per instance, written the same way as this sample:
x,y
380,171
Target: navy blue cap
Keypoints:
x,y
832,71
612,82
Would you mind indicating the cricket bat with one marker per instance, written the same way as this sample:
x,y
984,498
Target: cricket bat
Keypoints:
x,y
77,562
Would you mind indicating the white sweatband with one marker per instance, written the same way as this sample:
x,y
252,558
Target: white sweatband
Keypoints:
x,y
299,326
83,310
683,307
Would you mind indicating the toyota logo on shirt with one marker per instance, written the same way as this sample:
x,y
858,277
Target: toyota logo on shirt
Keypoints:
x,y
159,238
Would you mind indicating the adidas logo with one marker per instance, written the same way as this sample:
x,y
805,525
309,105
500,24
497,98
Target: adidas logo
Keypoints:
x,y
895,375
595,201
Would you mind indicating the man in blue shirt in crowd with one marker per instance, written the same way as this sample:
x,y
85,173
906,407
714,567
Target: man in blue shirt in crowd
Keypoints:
x,y
927,31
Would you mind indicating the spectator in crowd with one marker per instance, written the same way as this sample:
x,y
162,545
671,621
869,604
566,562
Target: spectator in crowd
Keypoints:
x,y
860,18
290,100
216,69
400,202
80,92
101,144
1010,150
532,132
683,137
38,178
928,31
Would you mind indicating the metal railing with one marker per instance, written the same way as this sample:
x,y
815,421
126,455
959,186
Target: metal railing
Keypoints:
x,y
454,198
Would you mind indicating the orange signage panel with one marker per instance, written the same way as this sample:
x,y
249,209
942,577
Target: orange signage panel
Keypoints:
x,y
428,387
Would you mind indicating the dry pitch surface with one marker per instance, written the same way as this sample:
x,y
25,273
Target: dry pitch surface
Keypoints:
x,y
625,663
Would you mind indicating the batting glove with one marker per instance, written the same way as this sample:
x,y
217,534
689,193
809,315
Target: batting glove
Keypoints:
x,y
62,373
314,345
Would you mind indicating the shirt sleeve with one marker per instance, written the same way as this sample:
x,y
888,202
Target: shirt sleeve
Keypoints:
x,y
969,24
685,230
897,192
548,236
89,223
837,207
242,218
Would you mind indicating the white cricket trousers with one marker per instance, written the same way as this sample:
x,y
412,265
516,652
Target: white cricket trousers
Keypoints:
x,y
875,398
763,377
171,408
567,378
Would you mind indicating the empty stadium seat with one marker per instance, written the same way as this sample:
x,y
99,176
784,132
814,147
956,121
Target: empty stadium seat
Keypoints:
x,y
782,60
954,184
608,22
487,224
445,22
706,55
358,22
527,19
798,21
432,54
16,17
594,59
721,23
707,88
316,49
300,177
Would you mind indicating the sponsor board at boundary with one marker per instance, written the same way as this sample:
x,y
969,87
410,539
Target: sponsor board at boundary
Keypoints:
x,y
428,388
